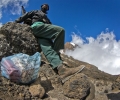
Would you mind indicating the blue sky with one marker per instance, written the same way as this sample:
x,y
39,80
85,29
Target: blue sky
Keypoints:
x,y
84,17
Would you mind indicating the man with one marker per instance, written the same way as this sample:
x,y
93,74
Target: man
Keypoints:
x,y
51,39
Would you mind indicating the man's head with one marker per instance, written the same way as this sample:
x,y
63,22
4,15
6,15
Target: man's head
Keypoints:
x,y
45,8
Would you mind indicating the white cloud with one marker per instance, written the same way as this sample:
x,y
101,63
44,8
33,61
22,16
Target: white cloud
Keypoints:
x,y
77,39
103,51
15,6
0,24
0,14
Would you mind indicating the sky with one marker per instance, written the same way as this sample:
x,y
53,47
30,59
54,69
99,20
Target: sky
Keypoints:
x,y
92,24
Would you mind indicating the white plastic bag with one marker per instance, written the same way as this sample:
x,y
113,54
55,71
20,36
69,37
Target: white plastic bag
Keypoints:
x,y
21,68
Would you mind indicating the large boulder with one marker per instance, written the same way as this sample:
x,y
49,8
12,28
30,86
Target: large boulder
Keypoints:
x,y
17,38
77,87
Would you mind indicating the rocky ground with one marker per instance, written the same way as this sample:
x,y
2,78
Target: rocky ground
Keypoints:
x,y
90,84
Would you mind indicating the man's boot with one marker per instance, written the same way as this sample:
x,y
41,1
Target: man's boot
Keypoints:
x,y
66,73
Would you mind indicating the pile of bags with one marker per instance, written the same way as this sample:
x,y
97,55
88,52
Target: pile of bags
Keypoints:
x,y
21,68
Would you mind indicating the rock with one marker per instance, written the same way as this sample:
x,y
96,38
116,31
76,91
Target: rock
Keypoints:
x,y
77,87
116,84
17,38
36,89
49,78
70,46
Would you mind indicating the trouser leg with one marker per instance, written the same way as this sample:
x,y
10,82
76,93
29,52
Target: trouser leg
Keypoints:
x,y
53,32
49,53
59,41
46,32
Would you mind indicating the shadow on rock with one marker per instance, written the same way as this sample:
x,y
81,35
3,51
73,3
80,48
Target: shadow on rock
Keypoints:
x,y
114,96
47,85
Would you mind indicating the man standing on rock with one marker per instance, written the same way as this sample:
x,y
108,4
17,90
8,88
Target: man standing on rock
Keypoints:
x,y
51,39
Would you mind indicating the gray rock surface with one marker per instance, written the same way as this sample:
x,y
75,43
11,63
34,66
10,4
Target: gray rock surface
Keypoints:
x,y
77,87
17,38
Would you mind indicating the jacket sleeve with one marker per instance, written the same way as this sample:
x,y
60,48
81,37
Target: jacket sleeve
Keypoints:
x,y
25,16
47,20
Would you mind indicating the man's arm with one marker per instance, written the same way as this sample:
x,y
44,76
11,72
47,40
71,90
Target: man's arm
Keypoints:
x,y
25,16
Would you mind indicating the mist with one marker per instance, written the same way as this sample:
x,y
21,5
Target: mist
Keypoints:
x,y
103,51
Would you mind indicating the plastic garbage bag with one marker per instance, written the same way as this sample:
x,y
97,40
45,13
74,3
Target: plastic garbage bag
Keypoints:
x,y
21,68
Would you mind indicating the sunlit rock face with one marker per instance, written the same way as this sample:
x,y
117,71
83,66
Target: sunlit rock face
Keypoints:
x,y
17,38
70,46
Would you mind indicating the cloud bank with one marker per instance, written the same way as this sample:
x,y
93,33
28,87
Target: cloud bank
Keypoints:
x,y
103,51
14,6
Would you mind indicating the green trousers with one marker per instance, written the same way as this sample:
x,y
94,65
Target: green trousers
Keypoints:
x,y
51,40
